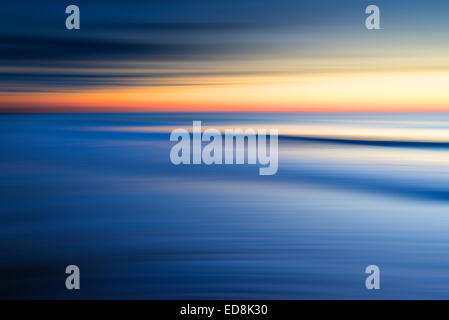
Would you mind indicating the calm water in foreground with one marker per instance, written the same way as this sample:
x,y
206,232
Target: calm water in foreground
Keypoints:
x,y
99,191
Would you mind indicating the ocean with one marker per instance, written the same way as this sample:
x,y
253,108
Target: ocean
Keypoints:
x,y
99,191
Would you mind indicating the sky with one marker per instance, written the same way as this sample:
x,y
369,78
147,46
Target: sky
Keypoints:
x,y
231,56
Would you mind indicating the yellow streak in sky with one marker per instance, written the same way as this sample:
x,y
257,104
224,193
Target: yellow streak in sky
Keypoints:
x,y
399,91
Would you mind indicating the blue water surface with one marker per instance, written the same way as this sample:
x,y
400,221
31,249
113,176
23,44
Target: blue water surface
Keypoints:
x,y
76,190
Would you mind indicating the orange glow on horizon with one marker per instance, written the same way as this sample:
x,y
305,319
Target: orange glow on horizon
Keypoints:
x,y
372,92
